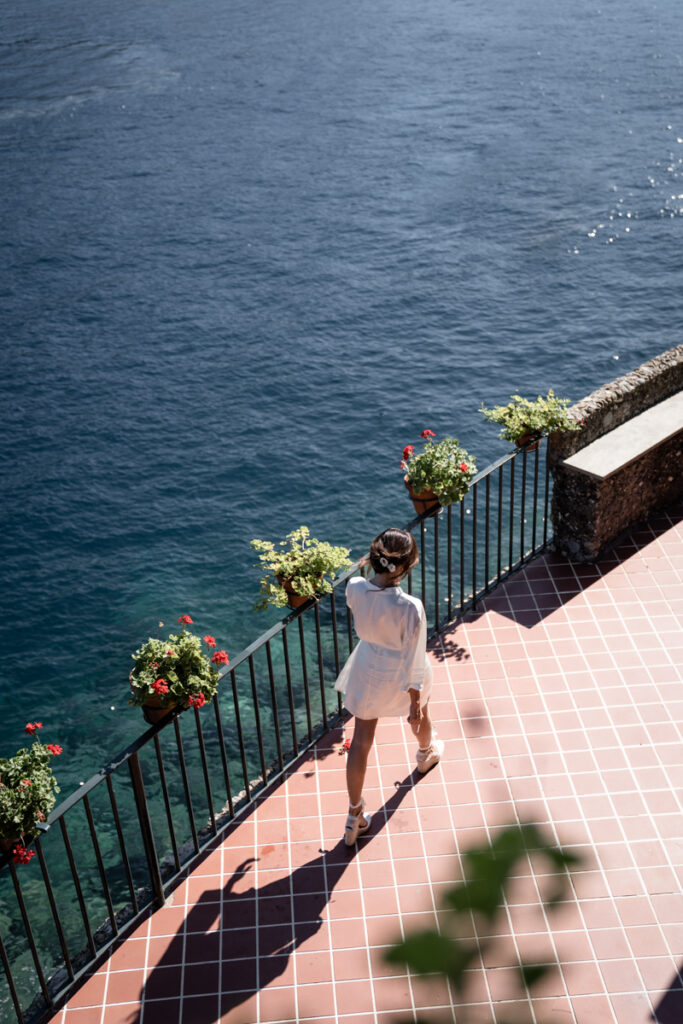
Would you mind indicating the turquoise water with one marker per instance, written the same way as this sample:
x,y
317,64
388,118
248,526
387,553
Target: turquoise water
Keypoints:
x,y
250,252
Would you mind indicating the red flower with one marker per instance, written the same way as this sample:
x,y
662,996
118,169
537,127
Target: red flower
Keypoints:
x,y
21,855
221,658
41,816
196,702
185,620
32,726
27,782
170,653
346,744
154,664
54,748
210,640
463,467
408,451
427,433
160,686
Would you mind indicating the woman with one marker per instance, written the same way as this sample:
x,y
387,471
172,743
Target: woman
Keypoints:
x,y
388,672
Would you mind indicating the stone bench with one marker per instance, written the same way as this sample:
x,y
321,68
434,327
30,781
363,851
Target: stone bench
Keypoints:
x,y
619,478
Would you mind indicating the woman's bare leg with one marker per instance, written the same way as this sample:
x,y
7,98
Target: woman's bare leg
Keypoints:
x,y
357,760
424,733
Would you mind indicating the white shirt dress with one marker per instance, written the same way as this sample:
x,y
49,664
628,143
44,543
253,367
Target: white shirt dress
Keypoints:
x,y
391,657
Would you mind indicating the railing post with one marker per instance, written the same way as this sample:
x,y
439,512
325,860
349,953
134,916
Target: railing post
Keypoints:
x,y
146,828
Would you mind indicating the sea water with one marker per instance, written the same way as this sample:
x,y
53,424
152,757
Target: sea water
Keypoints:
x,y
250,250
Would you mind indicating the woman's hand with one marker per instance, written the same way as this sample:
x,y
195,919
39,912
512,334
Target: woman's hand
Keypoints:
x,y
415,718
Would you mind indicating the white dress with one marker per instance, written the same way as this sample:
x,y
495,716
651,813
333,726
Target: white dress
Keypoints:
x,y
391,657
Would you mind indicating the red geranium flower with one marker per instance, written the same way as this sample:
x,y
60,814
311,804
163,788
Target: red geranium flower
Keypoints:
x,y
346,744
160,686
170,653
196,702
427,433
32,726
54,748
154,664
463,467
221,658
408,451
27,782
185,620
210,640
21,855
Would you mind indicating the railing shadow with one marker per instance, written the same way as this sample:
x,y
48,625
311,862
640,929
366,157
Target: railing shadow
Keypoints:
x,y
550,580
236,915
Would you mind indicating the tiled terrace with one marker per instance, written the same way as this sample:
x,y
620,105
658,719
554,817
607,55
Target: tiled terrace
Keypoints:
x,y
561,702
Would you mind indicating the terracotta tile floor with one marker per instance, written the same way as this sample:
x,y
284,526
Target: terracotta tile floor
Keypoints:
x,y
560,701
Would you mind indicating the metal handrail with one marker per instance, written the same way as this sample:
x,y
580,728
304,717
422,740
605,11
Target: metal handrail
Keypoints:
x,y
122,881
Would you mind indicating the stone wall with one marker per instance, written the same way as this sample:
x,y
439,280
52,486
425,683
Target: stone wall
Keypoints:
x,y
589,514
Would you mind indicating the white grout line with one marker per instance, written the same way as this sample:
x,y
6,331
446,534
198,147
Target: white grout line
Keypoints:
x,y
328,893
294,986
144,974
257,928
373,752
186,885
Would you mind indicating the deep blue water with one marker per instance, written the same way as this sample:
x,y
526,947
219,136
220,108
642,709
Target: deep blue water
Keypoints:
x,y
250,250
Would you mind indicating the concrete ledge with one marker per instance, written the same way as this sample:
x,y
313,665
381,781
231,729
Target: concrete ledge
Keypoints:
x,y
630,441
625,462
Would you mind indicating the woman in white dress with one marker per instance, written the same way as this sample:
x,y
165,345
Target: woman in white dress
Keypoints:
x,y
388,672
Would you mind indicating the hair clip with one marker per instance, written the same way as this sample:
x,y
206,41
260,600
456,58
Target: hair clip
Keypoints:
x,y
387,565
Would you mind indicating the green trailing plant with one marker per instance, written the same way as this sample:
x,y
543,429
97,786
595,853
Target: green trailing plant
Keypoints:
x,y
307,565
178,670
524,417
481,895
27,792
443,467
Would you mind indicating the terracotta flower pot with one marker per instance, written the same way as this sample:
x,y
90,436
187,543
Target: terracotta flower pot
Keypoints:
x,y
153,710
521,441
294,600
425,501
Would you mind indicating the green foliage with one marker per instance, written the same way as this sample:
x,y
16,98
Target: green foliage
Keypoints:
x,y
488,870
181,662
443,467
522,416
27,791
309,566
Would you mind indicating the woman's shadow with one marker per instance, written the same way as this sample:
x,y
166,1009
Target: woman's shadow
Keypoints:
x,y
287,913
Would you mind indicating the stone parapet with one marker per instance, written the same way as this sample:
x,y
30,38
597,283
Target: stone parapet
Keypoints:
x,y
588,514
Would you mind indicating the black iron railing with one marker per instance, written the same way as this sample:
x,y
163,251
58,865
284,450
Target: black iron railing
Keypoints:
x,y
115,847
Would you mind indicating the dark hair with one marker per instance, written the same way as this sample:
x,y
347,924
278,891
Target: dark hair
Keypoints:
x,y
398,548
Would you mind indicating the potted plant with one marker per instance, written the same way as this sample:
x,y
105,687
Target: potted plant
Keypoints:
x,y
523,420
300,567
175,672
438,475
27,794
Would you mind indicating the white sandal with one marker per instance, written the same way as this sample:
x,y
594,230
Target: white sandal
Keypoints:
x,y
426,759
356,824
